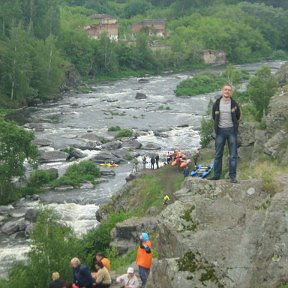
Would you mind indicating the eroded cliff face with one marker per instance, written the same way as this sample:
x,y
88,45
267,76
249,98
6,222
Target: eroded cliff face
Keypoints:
x,y
219,234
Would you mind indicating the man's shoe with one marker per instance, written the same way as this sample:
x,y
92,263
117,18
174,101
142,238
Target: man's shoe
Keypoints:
x,y
233,180
214,178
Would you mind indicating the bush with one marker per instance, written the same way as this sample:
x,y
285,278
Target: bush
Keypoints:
x,y
114,128
41,177
206,131
86,170
124,133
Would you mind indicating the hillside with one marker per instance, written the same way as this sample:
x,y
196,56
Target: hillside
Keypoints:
x,y
218,234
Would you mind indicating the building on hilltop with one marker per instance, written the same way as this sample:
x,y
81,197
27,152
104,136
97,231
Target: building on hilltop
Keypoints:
x,y
107,24
213,57
154,27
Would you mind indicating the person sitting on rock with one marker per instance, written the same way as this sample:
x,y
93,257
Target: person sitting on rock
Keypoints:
x,y
56,281
81,274
128,280
106,262
103,279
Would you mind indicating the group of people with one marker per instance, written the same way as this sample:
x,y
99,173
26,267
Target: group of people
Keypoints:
x,y
226,115
83,278
154,160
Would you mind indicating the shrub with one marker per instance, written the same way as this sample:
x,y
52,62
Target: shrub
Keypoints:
x,y
86,170
124,133
41,177
206,131
114,128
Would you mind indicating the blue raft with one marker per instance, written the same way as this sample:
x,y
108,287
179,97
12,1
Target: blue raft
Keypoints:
x,y
202,171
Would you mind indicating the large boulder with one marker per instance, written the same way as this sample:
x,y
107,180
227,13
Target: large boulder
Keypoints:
x,y
42,142
246,135
53,156
14,226
150,146
106,156
113,145
131,143
140,96
218,234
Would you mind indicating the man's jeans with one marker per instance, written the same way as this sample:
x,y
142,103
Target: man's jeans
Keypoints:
x,y
143,273
224,134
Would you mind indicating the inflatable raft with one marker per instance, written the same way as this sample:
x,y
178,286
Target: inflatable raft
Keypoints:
x,y
202,171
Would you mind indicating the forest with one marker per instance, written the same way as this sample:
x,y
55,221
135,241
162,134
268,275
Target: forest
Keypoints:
x,y
45,50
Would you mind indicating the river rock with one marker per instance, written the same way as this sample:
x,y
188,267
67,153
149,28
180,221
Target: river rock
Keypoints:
x,y
53,156
123,154
14,226
131,143
108,173
91,137
64,188
143,80
4,210
76,154
140,96
150,146
42,142
38,127
86,185
88,146
31,215
113,145
106,156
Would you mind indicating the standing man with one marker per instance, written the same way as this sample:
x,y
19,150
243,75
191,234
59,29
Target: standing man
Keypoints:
x,y
226,114
144,258
157,160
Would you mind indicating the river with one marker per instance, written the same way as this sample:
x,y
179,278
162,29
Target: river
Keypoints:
x,y
68,122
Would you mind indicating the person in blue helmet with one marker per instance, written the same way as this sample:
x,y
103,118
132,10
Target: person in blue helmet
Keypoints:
x,y
144,257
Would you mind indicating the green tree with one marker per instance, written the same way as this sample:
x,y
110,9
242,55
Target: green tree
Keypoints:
x,y
10,14
47,72
77,49
42,16
17,69
53,246
105,56
261,88
206,131
15,148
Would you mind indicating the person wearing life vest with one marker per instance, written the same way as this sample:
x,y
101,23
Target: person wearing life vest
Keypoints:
x,y
144,257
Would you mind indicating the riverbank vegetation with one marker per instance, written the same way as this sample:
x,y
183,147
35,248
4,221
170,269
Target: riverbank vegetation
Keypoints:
x,y
205,82
45,49
46,257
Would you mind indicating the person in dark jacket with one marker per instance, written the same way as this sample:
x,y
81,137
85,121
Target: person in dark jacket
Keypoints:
x,y
226,114
56,281
157,161
152,162
81,274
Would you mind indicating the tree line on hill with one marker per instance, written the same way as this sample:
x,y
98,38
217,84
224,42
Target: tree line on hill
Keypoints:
x,y
42,42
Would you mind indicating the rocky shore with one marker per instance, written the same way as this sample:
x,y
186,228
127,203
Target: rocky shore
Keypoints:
x,y
218,234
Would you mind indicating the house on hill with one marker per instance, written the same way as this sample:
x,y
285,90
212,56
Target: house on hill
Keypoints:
x,y
213,57
107,24
154,27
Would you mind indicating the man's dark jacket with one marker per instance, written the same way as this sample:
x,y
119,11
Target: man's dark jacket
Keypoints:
x,y
235,112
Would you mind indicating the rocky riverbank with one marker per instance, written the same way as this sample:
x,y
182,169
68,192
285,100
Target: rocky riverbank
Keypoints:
x,y
218,234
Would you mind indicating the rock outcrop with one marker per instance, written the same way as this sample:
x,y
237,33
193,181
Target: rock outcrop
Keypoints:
x,y
218,234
